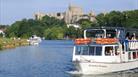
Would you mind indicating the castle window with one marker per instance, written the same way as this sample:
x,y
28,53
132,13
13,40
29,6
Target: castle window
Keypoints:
x,y
58,14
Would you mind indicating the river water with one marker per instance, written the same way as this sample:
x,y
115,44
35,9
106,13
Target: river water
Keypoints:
x,y
49,59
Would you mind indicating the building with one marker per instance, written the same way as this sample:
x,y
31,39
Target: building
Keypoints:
x,y
70,16
39,15
2,33
92,16
73,12
58,15
76,26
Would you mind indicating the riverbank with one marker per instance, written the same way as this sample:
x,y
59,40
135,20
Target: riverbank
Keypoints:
x,y
6,43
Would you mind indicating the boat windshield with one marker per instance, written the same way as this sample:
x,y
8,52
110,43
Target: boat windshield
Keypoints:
x,y
89,50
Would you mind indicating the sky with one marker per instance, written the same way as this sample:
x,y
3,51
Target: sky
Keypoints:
x,y
14,10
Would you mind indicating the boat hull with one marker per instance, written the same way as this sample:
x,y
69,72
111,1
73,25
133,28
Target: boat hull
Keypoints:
x,y
102,68
34,43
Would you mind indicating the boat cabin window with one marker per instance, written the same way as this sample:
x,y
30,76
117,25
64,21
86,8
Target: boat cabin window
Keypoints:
x,y
93,50
89,50
85,50
81,50
108,50
111,51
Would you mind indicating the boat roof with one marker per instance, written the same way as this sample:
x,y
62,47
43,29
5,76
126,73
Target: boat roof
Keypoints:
x,y
134,30
109,28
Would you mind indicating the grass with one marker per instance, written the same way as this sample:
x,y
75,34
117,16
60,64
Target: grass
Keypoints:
x,y
6,43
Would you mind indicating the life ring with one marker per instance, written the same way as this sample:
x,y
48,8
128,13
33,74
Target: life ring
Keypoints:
x,y
82,41
106,40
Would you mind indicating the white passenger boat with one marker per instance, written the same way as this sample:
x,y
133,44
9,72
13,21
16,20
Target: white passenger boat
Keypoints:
x,y
34,40
105,50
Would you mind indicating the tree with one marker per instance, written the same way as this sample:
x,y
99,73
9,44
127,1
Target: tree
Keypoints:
x,y
118,19
101,19
130,19
115,19
54,33
85,23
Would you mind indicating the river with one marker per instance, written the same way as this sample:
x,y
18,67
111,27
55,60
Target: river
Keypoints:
x,y
49,59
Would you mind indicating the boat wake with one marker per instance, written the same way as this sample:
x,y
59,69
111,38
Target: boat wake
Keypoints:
x,y
131,71
127,73
74,72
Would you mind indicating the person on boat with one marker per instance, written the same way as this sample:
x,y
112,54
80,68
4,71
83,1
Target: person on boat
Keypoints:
x,y
109,52
127,38
133,36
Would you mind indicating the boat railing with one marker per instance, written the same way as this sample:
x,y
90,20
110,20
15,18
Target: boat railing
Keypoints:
x,y
131,44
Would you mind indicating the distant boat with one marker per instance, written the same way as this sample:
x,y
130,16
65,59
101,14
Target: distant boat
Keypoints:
x,y
34,40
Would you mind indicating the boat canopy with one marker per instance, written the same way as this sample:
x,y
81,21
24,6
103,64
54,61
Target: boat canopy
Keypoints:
x,y
105,33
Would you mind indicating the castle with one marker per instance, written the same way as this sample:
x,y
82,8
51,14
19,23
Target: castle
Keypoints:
x,y
71,15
